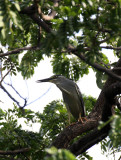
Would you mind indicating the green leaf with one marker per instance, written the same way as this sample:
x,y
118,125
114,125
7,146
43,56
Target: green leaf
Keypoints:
x,y
17,6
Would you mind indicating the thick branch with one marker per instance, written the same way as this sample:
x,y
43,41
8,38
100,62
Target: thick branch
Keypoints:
x,y
32,13
69,133
40,22
18,50
88,141
22,150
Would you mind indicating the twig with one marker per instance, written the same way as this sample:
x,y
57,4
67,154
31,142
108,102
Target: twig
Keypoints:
x,y
5,76
14,90
39,97
10,95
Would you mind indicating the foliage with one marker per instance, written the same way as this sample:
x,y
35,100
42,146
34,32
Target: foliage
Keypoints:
x,y
13,137
69,66
80,24
52,120
85,26
115,132
111,144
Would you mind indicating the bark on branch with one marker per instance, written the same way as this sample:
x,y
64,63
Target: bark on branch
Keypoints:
x,y
69,133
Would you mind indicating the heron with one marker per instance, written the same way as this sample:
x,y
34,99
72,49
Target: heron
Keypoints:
x,y
71,95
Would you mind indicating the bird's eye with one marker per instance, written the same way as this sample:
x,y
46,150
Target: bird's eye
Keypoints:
x,y
55,76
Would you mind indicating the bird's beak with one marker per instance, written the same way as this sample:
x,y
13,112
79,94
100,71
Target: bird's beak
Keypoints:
x,y
45,80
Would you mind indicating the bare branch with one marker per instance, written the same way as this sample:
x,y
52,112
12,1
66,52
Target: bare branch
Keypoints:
x,y
5,76
10,96
22,150
25,100
3,88
15,90
18,50
110,47
39,97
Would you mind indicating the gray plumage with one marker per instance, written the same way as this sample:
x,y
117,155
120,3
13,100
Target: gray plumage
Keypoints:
x,y
71,95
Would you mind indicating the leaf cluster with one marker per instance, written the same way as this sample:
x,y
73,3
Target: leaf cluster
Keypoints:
x,y
53,120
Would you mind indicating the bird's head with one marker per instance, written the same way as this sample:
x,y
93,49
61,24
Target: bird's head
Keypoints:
x,y
53,79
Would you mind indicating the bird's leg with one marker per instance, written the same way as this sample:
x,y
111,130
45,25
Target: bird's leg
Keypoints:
x,y
81,119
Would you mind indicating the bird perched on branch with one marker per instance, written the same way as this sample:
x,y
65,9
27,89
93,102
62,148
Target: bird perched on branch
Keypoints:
x,y
71,95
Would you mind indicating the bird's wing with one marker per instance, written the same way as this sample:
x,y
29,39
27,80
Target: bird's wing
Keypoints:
x,y
82,107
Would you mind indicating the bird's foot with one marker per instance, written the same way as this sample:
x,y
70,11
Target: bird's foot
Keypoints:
x,y
82,119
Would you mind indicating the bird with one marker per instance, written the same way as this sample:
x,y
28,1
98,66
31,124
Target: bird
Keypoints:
x,y
71,95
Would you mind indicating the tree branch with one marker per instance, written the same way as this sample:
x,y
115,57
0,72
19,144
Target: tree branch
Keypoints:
x,y
96,66
15,90
31,11
41,23
88,141
11,97
69,133
18,50
5,76
110,47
